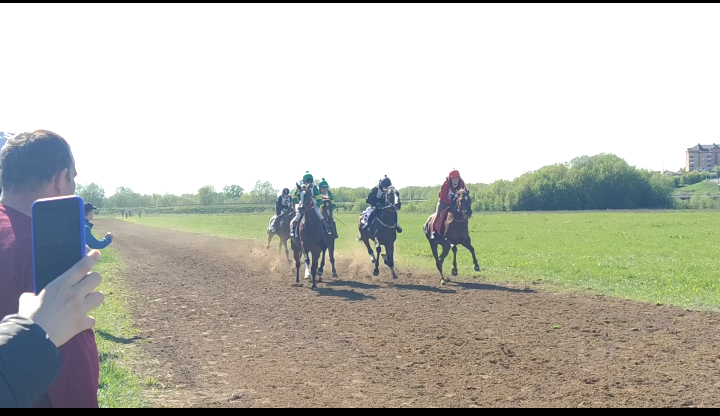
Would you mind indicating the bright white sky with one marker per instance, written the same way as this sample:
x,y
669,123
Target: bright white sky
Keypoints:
x,y
165,98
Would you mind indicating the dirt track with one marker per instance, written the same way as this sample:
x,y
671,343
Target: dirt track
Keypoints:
x,y
228,330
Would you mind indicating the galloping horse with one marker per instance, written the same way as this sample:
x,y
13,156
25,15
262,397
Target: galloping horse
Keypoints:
x,y
454,232
282,230
309,238
383,231
327,212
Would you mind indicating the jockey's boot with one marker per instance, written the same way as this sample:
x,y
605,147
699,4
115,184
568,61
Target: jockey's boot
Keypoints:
x,y
292,229
325,228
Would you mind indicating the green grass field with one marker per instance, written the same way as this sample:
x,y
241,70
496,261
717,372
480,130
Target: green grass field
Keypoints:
x,y
700,188
666,257
119,388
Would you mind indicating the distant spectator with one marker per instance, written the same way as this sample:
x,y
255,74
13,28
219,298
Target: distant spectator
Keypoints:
x,y
39,164
90,239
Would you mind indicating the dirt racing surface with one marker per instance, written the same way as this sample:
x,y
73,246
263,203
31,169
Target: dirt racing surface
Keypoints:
x,y
228,330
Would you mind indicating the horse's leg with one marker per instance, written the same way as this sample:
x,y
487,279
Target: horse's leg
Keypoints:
x,y
366,240
467,244
307,265
332,259
389,260
446,250
378,248
322,265
287,252
270,236
315,256
296,255
454,270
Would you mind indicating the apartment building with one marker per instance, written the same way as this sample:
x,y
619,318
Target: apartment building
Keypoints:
x,y
702,157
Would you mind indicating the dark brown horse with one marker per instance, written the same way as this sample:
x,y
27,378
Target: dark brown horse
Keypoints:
x,y
327,212
310,237
383,232
282,230
454,232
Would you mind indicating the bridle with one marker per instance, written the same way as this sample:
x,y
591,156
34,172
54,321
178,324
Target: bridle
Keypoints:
x,y
459,197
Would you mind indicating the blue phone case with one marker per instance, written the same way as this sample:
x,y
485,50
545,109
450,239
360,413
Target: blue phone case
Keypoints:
x,y
81,224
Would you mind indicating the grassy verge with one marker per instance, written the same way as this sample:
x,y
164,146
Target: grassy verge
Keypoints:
x,y
119,388
666,257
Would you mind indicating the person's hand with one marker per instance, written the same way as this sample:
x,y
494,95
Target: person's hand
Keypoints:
x,y
110,236
61,308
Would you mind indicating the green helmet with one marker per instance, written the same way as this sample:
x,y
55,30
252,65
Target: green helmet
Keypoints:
x,y
323,184
307,177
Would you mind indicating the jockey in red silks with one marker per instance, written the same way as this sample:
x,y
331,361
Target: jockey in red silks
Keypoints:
x,y
453,183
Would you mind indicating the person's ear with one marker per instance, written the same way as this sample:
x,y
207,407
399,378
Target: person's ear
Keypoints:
x,y
59,180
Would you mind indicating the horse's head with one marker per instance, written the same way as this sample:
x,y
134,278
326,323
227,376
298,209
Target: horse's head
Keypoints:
x,y
306,197
392,199
464,203
327,206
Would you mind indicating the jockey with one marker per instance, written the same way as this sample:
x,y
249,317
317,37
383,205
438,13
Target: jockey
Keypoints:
x,y
325,191
283,206
310,182
453,183
376,199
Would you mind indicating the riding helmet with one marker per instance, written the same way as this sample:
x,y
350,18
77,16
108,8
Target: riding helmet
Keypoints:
x,y
385,182
307,176
454,174
286,191
323,184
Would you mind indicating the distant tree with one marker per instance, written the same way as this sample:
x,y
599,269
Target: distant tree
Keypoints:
x,y
233,191
263,192
92,193
206,194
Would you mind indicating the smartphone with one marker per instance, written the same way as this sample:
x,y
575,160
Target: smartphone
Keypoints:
x,y
58,237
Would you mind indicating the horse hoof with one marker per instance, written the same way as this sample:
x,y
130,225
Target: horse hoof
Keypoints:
x,y
314,287
477,268
319,273
442,282
376,273
394,276
335,274
454,272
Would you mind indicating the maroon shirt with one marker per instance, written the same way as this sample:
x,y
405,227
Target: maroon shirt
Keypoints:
x,y
77,383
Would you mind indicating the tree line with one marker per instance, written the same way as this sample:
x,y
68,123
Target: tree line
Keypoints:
x,y
598,182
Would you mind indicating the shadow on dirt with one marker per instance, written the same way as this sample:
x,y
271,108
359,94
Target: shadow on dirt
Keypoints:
x,y
352,284
481,286
424,288
113,338
343,293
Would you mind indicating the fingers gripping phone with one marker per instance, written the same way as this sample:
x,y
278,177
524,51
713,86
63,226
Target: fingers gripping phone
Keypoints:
x,y
58,237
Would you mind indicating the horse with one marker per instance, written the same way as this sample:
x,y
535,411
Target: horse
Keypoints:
x,y
455,232
282,230
382,231
327,212
309,238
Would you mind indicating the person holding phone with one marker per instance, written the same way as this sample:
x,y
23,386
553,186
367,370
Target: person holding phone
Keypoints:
x,y
29,340
90,239
35,165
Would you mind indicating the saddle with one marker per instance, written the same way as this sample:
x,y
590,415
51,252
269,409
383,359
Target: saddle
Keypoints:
x,y
443,218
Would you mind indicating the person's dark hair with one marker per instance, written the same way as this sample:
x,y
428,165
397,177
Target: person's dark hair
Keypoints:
x,y
29,160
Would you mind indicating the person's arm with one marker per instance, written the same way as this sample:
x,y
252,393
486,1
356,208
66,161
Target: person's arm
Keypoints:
x,y
444,193
93,242
29,362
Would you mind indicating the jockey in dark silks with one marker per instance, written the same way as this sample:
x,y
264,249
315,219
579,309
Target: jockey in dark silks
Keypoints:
x,y
283,206
376,199
453,183
311,187
325,191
